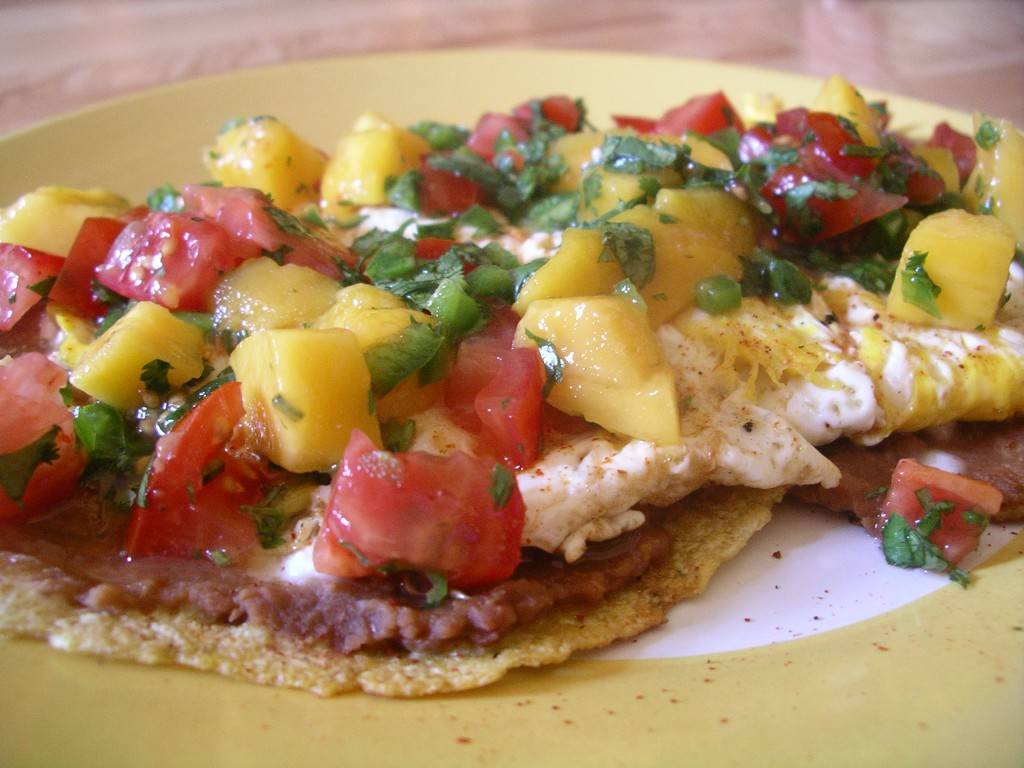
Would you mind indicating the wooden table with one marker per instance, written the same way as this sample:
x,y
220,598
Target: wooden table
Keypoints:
x,y
60,55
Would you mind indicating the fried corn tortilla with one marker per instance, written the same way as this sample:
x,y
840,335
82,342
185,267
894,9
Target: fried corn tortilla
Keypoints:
x,y
707,529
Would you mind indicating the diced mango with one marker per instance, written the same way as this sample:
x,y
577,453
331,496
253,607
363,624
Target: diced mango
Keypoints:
x,y
577,150
376,316
838,96
613,373
968,258
760,107
713,212
940,160
264,153
49,218
683,257
574,270
601,190
705,153
375,151
110,368
262,294
372,314
997,184
77,334
304,391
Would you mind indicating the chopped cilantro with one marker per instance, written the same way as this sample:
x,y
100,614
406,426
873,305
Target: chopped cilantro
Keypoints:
x,y
877,493
502,483
442,229
631,154
590,188
862,150
154,376
43,286
286,408
165,421
806,220
972,516
632,247
312,217
394,258
908,547
404,191
165,199
398,435
107,439
987,135
917,287
480,220
17,467
218,557
765,274
392,361
438,589
440,136
286,222
554,365
554,212
269,519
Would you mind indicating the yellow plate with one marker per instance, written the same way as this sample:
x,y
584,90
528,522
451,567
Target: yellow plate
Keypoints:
x,y
939,681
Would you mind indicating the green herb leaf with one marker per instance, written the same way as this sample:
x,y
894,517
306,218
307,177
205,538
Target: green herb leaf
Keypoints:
x,y
218,557
987,135
765,274
392,361
394,258
398,435
502,483
17,467
442,229
554,365
972,516
43,286
917,286
456,311
632,247
804,218
165,421
438,589
286,408
165,199
480,220
862,150
404,192
877,493
490,280
288,224
441,137
631,154
269,519
154,376
554,212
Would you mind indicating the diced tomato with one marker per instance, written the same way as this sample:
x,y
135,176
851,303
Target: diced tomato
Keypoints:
x,y
560,110
420,511
554,420
494,391
442,192
74,283
509,408
754,143
168,258
256,226
432,248
638,124
825,156
965,153
489,129
20,269
957,536
820,218
134,214
30,406
197,485
792,123
703,114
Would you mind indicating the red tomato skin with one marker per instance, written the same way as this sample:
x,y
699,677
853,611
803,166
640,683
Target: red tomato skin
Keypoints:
x,y
171,259
183,515
488,130
432,248
965,152
442,192
73,288
21,267
824,155
792,123
560,110
955,537
509,408
754,143
638,124
244,215
30,405
702,114
424,512
837,216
